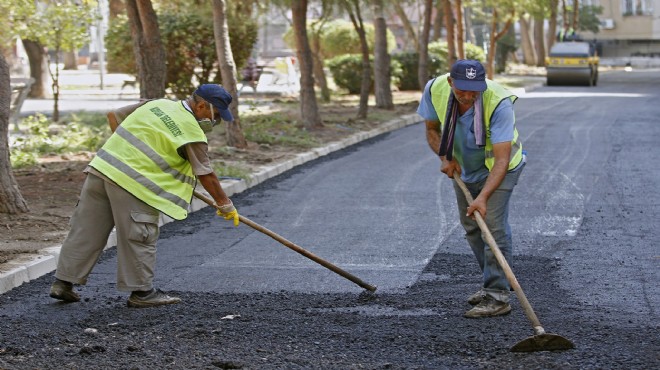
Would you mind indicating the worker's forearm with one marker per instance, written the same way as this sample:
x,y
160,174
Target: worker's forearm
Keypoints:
x,y
212,185
501,152
433,136
494,179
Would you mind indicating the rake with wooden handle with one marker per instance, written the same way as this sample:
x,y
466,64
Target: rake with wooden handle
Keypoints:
x,y
540,341
294,247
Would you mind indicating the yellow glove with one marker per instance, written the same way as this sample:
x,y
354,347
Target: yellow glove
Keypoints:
x,y
228,212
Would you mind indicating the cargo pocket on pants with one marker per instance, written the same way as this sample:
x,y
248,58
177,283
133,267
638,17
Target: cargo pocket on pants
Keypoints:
x,y
144,229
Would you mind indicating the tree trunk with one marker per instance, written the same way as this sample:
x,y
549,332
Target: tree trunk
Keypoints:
x,y
234,131
494,36
353,9
529,58
576,13
11,200
423,66
407,26
382,74
459,29
552,24
319,70
71,60
308,105
149,52
56,83
117,7
469,30
437,21
38,70
451,39
539,42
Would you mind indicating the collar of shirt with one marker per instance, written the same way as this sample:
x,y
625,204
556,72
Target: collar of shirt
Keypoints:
x,y
185,105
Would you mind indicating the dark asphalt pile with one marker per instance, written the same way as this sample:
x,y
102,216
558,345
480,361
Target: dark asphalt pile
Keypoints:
x,y
422,328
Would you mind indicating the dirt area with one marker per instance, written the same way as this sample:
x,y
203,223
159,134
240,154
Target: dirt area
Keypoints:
x,y
51,189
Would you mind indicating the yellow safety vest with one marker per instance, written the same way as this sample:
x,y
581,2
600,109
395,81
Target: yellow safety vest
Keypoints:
x,y
142,156
491,98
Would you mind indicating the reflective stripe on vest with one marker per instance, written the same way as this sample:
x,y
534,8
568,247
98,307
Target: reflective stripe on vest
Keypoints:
x,y
144,148
491,99
142,156
144,181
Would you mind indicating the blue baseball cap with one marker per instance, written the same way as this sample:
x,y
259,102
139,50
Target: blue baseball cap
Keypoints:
x,y
468,75
218,97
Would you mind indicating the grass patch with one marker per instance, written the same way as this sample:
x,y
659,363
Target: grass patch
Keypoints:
x,y
223,170
277,129
40,137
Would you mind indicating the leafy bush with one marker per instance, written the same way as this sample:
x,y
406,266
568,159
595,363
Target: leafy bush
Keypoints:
x,y
346,71
410,66
472,51
437,63
41,138
339,37
119,46
189,46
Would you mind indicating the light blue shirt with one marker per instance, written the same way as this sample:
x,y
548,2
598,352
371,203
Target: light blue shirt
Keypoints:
x,y
470,156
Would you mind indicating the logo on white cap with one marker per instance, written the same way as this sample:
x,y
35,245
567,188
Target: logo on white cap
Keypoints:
x,y
470,73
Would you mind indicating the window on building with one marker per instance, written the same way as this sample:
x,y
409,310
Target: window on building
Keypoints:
x,y
637,7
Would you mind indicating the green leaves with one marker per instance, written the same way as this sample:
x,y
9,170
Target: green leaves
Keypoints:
x,y
59,25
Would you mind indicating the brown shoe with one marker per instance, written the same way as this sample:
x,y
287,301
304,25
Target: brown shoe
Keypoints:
x,y
63,290
155,298
476,297
488,307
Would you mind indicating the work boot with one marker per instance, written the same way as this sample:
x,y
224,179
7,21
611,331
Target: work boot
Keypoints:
x,y
476,297
488,307
63,290
154,297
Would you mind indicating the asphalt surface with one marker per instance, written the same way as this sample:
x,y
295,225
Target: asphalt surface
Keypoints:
x,y
584,219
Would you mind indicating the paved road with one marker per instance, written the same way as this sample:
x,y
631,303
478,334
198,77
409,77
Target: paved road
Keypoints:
x,y
584,217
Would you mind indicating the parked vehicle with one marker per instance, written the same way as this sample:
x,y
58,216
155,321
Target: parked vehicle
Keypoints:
x,y
572,63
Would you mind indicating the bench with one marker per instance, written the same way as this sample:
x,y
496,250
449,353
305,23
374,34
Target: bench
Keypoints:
x,y
20,88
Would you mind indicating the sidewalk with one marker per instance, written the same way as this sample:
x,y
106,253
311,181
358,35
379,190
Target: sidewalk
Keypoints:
x,y
81,91
30,267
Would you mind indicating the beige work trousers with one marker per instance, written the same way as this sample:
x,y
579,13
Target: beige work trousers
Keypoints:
x,y
102,206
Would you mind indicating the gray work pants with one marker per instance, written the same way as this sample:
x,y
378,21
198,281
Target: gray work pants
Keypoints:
x,y
102,206
495,283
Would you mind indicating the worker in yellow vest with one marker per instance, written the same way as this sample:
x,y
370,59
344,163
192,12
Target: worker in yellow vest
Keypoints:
x,y
470,125
148,167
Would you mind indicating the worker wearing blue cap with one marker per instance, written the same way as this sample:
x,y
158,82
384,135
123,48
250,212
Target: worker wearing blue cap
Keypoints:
x,y
149,166
470,125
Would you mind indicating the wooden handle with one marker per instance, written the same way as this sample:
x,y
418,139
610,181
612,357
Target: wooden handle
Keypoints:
x,y
527,307
294,247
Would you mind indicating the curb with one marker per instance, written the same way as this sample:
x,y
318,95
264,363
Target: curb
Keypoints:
x,y
33,267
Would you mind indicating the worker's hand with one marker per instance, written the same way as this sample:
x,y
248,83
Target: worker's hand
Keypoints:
x,y
479,204
228,212
450,167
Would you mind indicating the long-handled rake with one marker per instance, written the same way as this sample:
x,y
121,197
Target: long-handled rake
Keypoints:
x,y
540,341
294,247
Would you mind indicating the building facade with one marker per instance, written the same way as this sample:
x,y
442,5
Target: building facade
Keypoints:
x,y
629,29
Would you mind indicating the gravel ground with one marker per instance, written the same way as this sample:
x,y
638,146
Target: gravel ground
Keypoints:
x,y
422,328
594,287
